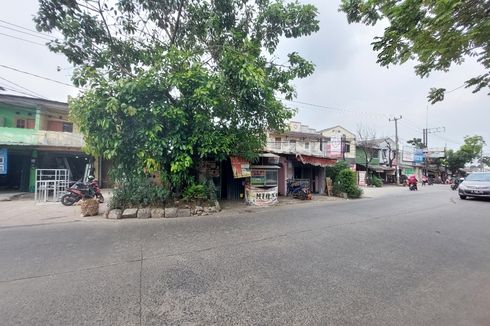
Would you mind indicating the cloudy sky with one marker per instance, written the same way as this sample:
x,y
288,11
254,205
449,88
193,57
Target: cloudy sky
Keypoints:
x,y
347,80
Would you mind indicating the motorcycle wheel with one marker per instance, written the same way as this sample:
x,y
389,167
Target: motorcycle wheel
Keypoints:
x,y
100,198
68,199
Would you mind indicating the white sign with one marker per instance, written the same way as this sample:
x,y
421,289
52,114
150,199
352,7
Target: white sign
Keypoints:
x,y
408,154
335,147
257,196
362,178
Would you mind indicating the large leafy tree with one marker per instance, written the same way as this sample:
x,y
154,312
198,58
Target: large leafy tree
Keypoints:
x,y
434,33
167,83
469,151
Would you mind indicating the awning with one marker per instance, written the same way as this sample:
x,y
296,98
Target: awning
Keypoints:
x,y
316,161
269,155
381,168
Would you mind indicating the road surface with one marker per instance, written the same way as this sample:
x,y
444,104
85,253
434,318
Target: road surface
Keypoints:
x,y
404,258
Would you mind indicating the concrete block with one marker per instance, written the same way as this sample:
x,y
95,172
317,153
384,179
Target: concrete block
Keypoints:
x,y
115,214
184,212
130,213
158,213
170,212
144,213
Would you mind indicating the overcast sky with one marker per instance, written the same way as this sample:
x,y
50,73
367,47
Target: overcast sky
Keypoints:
x,y
347,79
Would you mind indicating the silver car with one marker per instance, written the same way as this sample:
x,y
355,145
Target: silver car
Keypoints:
x,y
476,184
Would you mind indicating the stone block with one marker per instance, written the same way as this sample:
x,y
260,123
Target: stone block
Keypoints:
x,y
158,213
115,214
130,213
217,205
144,213
184,212
170,212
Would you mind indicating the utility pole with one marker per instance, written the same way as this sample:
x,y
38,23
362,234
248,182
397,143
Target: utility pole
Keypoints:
x,y
482,166
426,142
397,172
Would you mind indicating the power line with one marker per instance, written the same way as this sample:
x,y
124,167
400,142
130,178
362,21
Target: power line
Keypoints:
x,y
24,28
27,33
22,39
31,74
340,110
16,91
22,87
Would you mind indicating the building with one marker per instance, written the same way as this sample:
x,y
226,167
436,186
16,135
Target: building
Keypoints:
x,y
382,158
37,134
347,140
303,155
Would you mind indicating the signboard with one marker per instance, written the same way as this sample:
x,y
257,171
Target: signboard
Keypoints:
x,y
258,177
3,161
418,156
408,153
240,167
436,152
362,178
256,196
335,147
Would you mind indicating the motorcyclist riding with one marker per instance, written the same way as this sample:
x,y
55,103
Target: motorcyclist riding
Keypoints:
x,y
412,182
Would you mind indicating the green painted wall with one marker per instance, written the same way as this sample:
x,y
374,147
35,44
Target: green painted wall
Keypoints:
x,y
10,114
361,158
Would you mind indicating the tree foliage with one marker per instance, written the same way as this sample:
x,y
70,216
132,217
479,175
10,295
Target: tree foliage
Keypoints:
x,y
469,151
434,33
167,83
417,143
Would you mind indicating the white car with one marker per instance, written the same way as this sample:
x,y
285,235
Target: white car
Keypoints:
x,y
476,184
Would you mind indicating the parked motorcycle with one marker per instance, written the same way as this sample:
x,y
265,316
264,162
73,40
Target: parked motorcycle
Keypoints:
x,y
297,190
80,190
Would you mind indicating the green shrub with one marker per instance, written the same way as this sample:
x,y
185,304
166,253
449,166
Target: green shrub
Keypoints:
x,y
138,192
347,183
334,171
375,181
195,192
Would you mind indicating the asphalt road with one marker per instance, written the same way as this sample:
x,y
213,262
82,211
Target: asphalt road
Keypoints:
x,y
405,258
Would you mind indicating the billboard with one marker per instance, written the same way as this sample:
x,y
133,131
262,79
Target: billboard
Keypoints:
x,y
240,167
418,156
408,153
334,147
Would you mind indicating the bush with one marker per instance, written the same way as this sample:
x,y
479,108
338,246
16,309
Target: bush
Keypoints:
x,y
195,192
138,192
375,181
347,183
334,171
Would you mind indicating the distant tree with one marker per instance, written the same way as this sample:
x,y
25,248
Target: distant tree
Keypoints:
x,y
467,153
168,83
391,153
417,143
436,34
367,145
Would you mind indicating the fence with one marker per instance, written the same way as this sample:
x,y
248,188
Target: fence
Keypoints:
x,y
50,184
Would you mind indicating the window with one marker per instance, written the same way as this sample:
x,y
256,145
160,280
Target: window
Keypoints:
x,y
67,127
271,177
307,145
264,177
277,143
346,148
21,123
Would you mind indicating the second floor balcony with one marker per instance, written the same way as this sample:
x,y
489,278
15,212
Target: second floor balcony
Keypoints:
x,y
303,148
33,137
